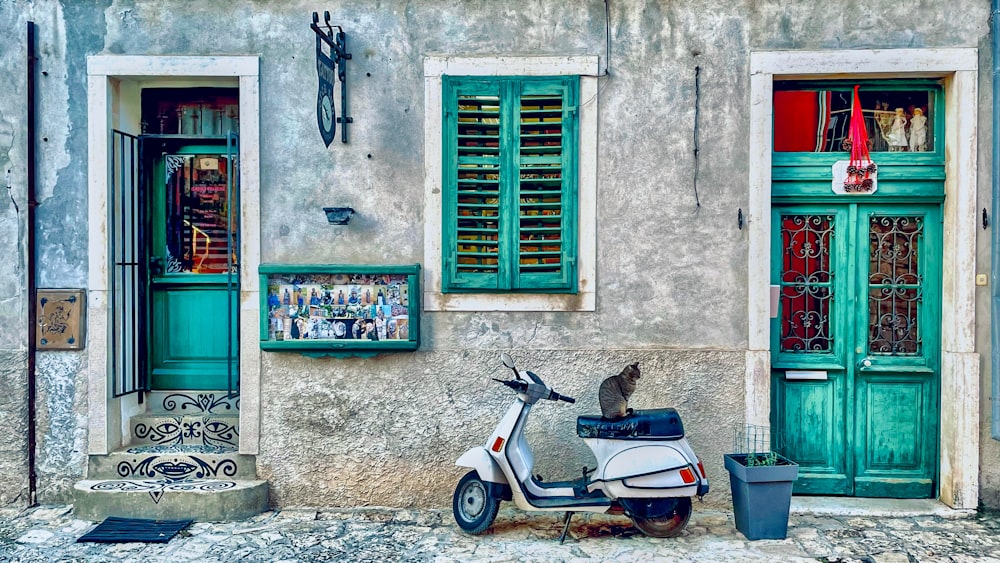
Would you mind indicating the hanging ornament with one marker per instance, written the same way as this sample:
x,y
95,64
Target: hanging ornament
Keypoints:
x,y
859,174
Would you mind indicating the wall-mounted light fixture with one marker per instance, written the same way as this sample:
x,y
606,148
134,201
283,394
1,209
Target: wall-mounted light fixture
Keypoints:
x,y
339,215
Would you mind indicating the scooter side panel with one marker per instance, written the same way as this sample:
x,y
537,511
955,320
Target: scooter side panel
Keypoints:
x,y
643,460
478,458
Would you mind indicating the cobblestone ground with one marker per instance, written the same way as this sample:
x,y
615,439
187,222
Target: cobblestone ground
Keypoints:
x,y
49,534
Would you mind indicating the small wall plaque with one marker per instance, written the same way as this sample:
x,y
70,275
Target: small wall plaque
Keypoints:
x,y
60,319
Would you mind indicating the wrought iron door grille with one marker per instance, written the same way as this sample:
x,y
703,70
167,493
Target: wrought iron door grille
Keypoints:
x,y
806,283
895,285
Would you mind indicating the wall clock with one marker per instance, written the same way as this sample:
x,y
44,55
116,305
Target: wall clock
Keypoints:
x,y
325,114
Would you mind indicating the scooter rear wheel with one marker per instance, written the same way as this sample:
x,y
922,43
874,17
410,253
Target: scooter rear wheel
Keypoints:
x,y
473,506
670,524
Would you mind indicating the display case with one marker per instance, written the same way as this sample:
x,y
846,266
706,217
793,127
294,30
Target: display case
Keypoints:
x,y
339,310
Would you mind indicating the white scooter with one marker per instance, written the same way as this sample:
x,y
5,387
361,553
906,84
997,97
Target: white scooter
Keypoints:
x,y
645,468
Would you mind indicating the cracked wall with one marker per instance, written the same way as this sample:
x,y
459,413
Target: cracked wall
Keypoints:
x,y
61,239
13,291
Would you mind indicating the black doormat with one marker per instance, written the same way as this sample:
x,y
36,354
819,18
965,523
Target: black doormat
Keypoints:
x,y
122,530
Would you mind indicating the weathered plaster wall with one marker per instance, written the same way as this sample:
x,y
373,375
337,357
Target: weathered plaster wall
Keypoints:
x,y
61,237
399,448
989,448
671,261
62,424
13,293
14,415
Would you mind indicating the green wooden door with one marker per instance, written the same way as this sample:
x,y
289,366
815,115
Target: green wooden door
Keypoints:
x,y
193,290
855,346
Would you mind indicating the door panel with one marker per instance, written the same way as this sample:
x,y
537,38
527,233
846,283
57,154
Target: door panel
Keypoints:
x,y
858,312
895,454
193,289
189,350
817,405
810,260
896,398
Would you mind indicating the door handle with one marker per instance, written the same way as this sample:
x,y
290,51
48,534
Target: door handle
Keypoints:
x,y
864,364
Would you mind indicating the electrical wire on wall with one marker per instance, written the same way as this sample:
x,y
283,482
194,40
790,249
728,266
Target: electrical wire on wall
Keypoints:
x,y
607,56
697,104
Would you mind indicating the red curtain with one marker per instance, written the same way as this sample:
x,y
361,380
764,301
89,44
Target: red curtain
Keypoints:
x,y
800,120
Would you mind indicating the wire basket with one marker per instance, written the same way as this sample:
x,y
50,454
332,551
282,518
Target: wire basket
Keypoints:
x,y
757,443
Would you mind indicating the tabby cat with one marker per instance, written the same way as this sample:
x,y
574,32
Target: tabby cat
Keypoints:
x,y
615,391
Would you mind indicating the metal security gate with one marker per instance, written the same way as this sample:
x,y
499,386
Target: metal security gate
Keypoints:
x,y
127,301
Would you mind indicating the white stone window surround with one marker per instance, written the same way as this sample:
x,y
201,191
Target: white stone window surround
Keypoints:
x,y
586,66
114,84
958,473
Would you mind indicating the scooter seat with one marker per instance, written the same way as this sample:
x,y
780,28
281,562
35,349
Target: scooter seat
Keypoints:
x,y
652,424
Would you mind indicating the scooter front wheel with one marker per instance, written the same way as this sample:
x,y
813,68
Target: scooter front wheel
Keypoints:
x,y
473,506
671,521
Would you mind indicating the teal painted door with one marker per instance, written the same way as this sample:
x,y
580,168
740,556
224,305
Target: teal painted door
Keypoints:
x,y
193,289
855,346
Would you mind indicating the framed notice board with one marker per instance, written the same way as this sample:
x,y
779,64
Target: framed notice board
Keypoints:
x,y
339,309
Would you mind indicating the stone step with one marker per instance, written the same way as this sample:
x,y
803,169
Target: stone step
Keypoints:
x,y
202,500
152,461
188,429
192,402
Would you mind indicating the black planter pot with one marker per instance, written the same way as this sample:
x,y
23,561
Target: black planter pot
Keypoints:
x,y
761,496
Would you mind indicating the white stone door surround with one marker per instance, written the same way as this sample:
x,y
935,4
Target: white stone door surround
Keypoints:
x,y
114,85
959,401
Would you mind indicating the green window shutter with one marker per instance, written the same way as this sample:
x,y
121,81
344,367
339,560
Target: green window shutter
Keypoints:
x,y
510,195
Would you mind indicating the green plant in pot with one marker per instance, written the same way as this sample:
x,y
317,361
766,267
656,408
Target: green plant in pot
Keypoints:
x,y
761,483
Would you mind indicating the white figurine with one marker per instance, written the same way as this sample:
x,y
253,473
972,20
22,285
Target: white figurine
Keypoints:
x,y
897,132
918,131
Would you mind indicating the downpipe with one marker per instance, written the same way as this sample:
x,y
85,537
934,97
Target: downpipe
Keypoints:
x,y
30,267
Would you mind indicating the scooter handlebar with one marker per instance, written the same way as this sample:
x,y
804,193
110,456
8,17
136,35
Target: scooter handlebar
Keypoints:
x,y
519,386
553,396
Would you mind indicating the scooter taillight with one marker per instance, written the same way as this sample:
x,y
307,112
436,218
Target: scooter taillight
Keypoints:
x,y
497,444
701,469
688,476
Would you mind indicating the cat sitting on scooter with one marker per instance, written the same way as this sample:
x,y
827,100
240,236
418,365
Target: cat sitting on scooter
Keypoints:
x,y
615,391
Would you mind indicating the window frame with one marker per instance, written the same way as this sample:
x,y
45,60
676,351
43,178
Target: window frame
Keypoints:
x,y
586,68
510,160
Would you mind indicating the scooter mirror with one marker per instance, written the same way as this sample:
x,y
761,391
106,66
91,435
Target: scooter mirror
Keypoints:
x,y
507,360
